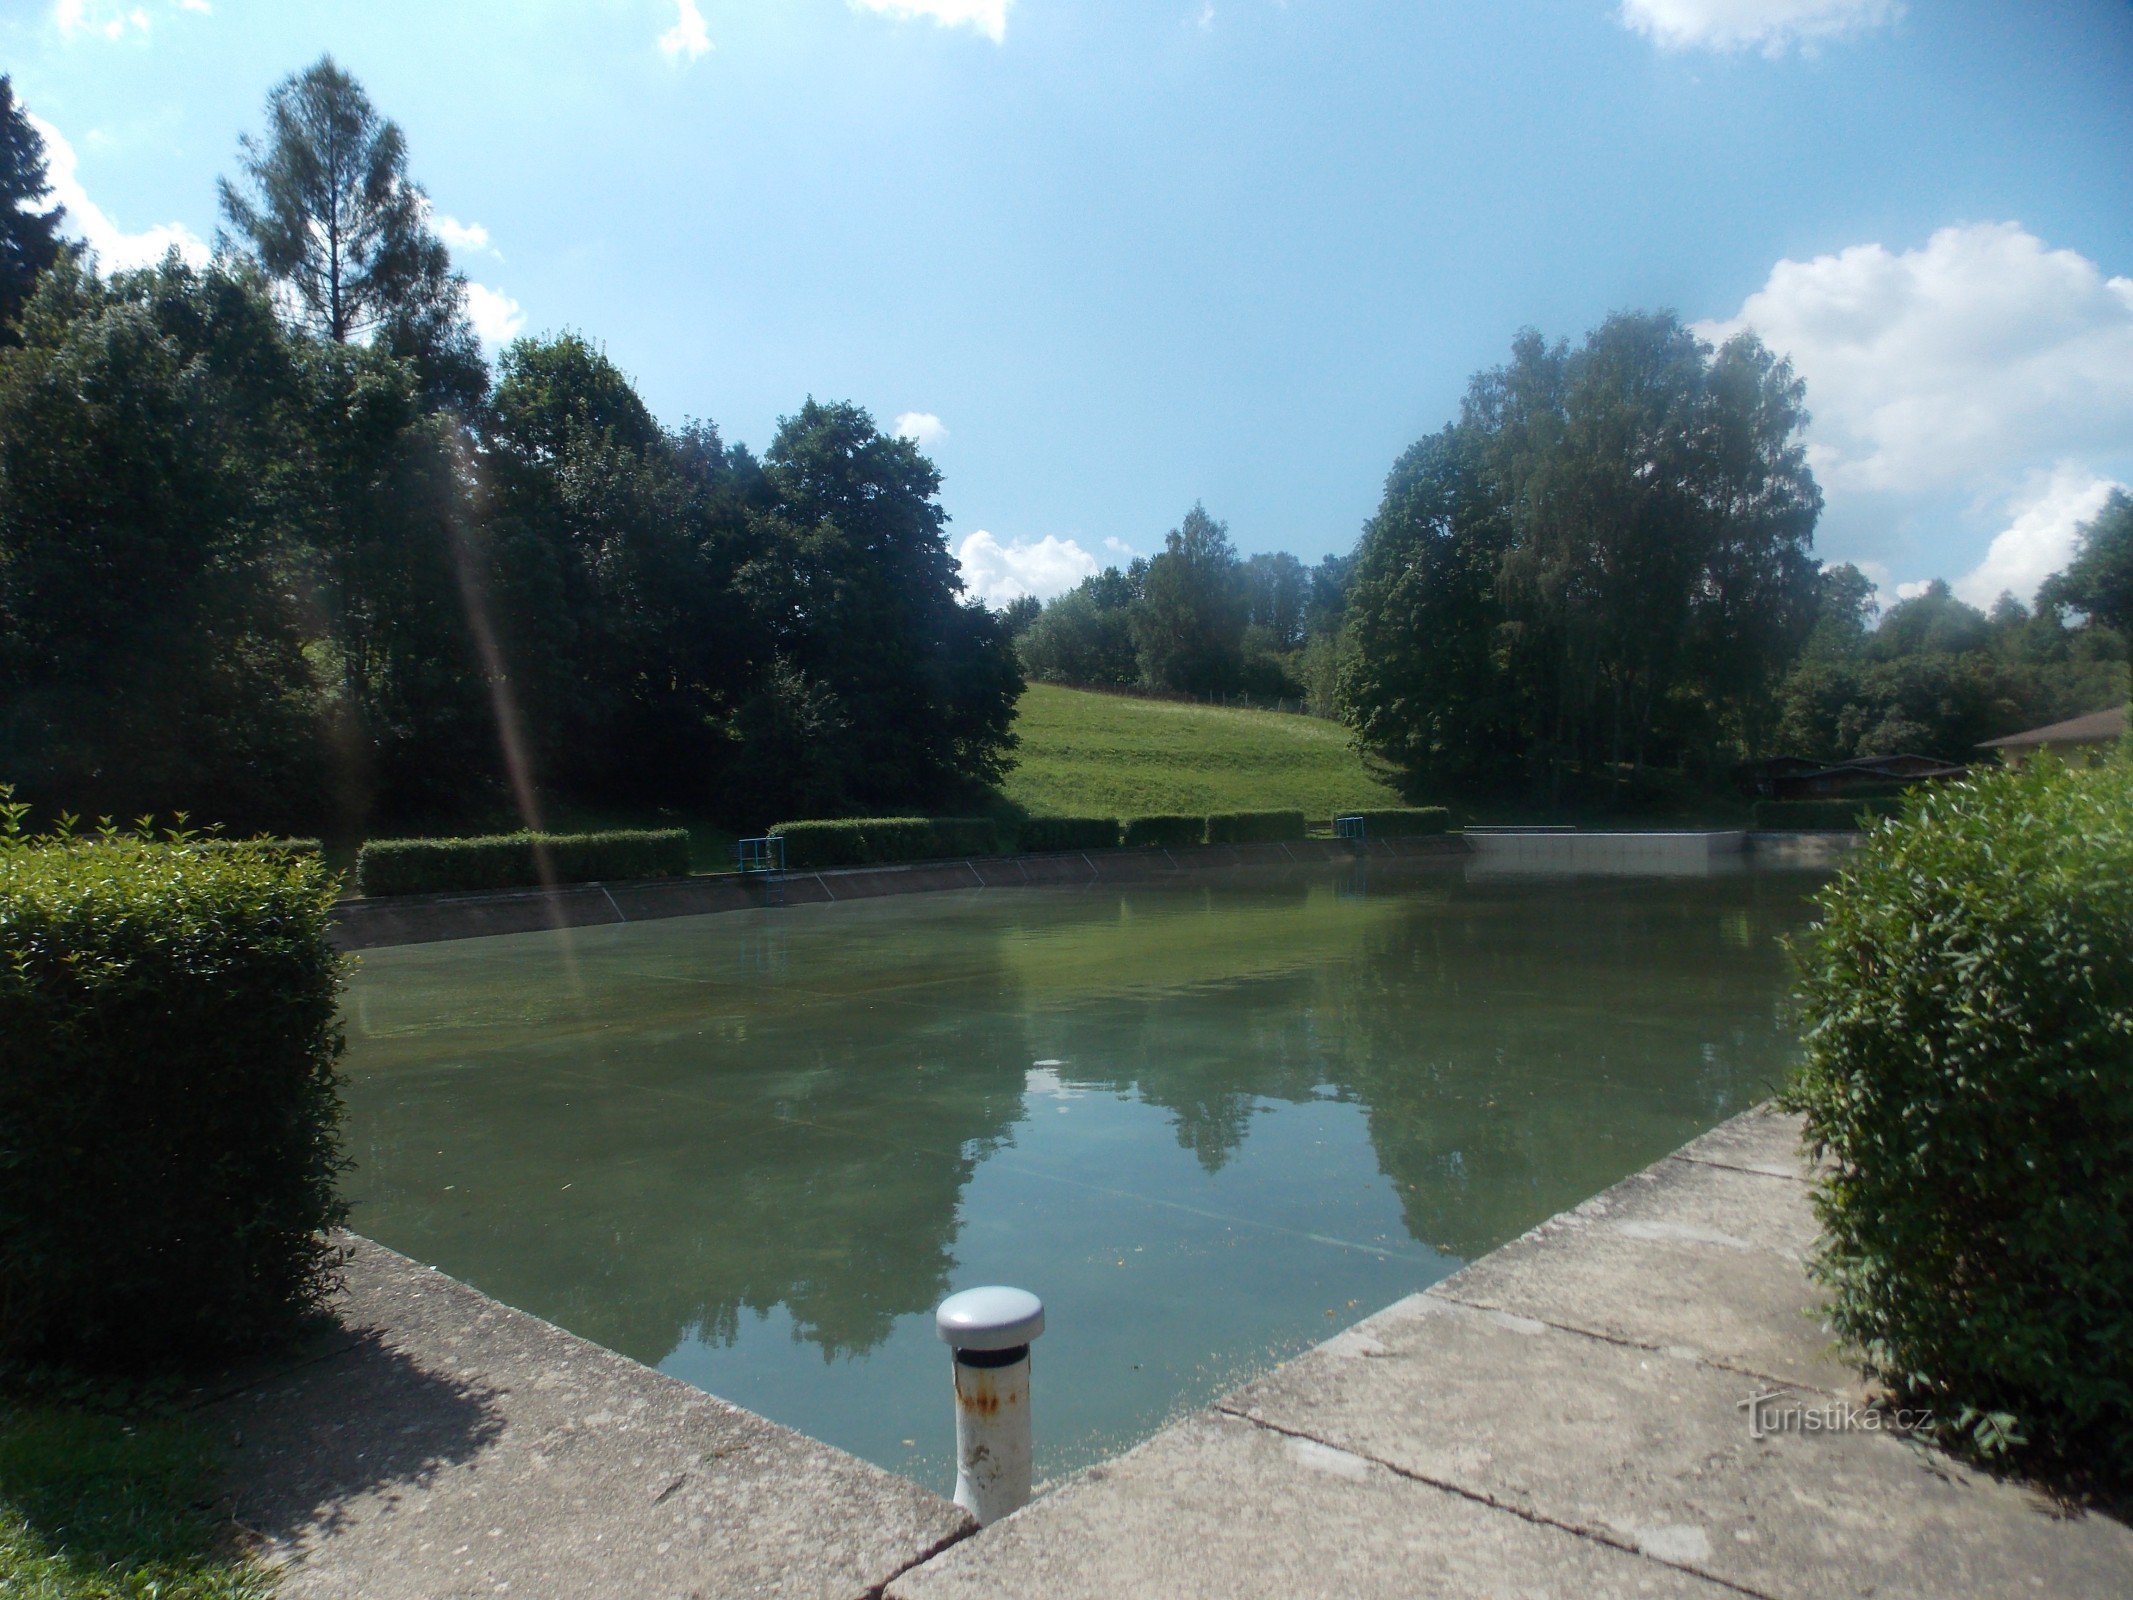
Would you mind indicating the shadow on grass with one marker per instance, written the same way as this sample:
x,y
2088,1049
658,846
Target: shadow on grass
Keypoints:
x,y
93,1504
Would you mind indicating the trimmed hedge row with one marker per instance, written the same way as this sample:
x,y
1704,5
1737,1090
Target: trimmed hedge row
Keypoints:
x,y
1403,822
1039,834
168,1102
1137,832
1968,1002
1820,816
1254,827
518,860
879,841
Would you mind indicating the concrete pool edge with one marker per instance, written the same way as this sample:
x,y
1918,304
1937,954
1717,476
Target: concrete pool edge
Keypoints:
x,y
427,919
438,1442
1636,1397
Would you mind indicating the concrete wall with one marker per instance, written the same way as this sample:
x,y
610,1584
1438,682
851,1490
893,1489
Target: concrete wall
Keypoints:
x,y
1665,855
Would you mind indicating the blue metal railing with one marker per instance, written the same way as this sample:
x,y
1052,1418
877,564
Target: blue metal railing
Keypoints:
x,y
766,854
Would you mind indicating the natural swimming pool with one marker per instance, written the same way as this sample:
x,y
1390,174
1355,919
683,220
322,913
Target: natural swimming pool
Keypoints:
x,y
1210,1121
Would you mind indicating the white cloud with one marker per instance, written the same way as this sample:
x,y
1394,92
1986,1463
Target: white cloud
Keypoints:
x,y
1981,354
688,38
1913,589
988,17
497,318
1119,547
462,235
1771,26
2039,539
116,250
104,19
997,573
922,428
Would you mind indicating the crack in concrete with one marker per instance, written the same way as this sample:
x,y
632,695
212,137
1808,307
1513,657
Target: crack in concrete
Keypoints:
x,y
1732,1166
1481,1497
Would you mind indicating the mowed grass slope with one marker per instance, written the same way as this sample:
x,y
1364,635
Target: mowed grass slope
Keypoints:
x,y
1103,755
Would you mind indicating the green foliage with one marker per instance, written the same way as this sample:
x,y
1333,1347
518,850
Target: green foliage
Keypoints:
x,y
1403,823
519,860
99,1506
29,236
1822,816
1254,827
881,841
1039,834
331,216
2098,582
1188,621
168,1107
1968,1001
215,845
1605,561
1086,754
1139,832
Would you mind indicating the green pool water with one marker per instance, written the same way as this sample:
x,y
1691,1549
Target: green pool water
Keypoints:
x,y
1209,1122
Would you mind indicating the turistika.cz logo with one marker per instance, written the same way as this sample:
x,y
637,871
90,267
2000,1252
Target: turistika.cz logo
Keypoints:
x,y
1775,1411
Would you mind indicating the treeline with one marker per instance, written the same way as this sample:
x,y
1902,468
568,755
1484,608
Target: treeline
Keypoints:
x,y
1599,583
1195,619
276,549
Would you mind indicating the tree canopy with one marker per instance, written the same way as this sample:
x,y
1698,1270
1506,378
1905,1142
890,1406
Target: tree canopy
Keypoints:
x,y
29,231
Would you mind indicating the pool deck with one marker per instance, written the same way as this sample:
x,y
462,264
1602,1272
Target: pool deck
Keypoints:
x,y
1565,1417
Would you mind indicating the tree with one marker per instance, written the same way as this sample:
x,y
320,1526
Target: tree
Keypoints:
x,y
2099,580
334,219
1189,619
29,237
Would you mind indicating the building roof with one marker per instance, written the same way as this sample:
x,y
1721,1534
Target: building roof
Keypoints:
x,y
2095,728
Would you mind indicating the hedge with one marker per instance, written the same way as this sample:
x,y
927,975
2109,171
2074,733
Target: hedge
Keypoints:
x,y
516,860
1068,833
168,1101
1968,1001
1162,830
1820,816
1403,823
874,841
1254,827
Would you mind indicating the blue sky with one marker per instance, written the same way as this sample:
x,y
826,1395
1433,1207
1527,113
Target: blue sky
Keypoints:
x,y
1107,259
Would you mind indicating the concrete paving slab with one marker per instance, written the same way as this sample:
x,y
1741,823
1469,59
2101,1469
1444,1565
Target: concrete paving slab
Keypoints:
x,y
1217,1508
459,1447
1656,1452
1764,1140
1684,1256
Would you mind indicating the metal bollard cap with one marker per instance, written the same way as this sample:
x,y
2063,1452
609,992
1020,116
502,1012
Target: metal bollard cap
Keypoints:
x,y
992,1318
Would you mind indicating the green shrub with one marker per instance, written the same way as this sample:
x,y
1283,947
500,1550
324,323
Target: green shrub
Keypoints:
x,y
515,860
1254,827
168,1104
273,847
1068,833
1163,830
1968,1001
1403,823
883,841
1820,816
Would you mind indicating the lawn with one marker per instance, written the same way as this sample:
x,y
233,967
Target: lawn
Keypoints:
x,y
1086,754
102,1507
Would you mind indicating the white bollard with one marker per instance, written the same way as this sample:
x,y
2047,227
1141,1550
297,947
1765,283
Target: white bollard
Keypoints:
x,y
990,1331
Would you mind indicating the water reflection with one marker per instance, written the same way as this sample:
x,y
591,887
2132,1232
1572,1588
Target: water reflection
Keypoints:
x,y
1209,1122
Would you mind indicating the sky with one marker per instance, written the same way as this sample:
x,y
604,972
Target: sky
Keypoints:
x,y
1107,258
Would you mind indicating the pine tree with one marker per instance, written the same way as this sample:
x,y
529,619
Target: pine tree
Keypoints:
x,y
29,238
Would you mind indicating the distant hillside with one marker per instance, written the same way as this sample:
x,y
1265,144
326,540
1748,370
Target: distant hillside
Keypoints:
x,y
1085,754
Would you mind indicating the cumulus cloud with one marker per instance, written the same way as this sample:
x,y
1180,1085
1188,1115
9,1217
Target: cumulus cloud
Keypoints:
x,y
988,17
1771,26
2039,540
922,428
116,249
1980,354
497,318
462,235
997,573
688,38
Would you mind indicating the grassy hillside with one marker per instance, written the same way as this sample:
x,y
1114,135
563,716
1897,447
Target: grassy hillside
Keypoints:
x,y
1102,755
